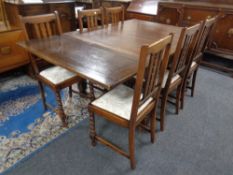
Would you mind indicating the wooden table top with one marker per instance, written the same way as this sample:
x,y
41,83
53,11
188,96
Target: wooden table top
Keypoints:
x,y
130,36
108,56
97,64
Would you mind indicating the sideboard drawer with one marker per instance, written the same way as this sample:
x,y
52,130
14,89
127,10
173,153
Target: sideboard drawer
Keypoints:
x,y
193,15
12,55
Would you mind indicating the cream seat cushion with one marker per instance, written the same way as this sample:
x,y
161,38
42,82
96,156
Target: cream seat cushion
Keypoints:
x,y
119,101
194,63
176,77
57,74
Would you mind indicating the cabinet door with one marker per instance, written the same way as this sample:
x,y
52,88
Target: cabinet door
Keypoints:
x,y
169,14
67,15
223,33
12,55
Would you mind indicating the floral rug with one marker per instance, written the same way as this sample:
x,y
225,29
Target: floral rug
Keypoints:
x,y
24,125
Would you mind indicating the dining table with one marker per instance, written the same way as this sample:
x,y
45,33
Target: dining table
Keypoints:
x,y
107,56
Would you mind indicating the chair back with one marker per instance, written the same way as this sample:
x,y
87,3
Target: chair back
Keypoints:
x,y
41,26
204,38
114,14
92,16
151,68
184,50
3,17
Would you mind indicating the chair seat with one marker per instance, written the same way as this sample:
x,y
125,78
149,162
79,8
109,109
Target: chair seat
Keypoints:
x,y
193,65
57,74
119,101
176,77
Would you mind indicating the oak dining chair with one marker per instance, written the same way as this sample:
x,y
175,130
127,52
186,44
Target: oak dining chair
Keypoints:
x,y
176,73
114,15
127,107
56,77
203,39
93,17
3,17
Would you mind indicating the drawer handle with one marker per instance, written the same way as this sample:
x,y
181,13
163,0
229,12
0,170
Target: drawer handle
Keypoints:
x,y
168,21
230,32
5,50
189,18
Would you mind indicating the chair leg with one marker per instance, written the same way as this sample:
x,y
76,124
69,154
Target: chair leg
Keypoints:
x,y
162,111
182,95
92,92
193,82
70,91
60,110
132,148
92,131
178,98
41,87
152,126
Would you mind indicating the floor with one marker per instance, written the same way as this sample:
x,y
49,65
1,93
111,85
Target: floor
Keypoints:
x,y
198,141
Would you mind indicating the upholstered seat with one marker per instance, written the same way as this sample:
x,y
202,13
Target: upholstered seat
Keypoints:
x,y
176,77
57,74
194,65
119,101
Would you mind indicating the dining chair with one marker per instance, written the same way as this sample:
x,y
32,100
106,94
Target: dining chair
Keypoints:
x,y
114,15
127,107
56,77
92,16
202,41
3,16
176,73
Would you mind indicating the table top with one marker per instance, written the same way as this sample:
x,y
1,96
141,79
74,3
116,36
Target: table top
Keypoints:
x,y
129,36
97,64
108,56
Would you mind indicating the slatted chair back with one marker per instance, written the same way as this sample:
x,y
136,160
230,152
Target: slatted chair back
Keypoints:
x,y
184,50
203,38
152,65
114,15
92,17
3,16
41,26
1,11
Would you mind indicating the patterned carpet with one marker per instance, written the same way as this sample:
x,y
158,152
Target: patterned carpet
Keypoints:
x,y
24,126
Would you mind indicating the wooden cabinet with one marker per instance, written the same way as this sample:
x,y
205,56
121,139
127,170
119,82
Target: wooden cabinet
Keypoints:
x,y
12,55
65,9
189,13
142,9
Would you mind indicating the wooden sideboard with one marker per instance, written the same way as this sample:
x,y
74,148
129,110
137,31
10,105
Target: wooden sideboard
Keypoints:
x,y
11,55
142,9
184,13
65,9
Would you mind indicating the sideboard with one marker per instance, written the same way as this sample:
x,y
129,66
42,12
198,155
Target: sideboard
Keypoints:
x,y
143,9
183,13
11,55
30,7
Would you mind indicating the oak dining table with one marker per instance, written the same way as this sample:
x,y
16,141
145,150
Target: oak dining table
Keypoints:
x,y
107,56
